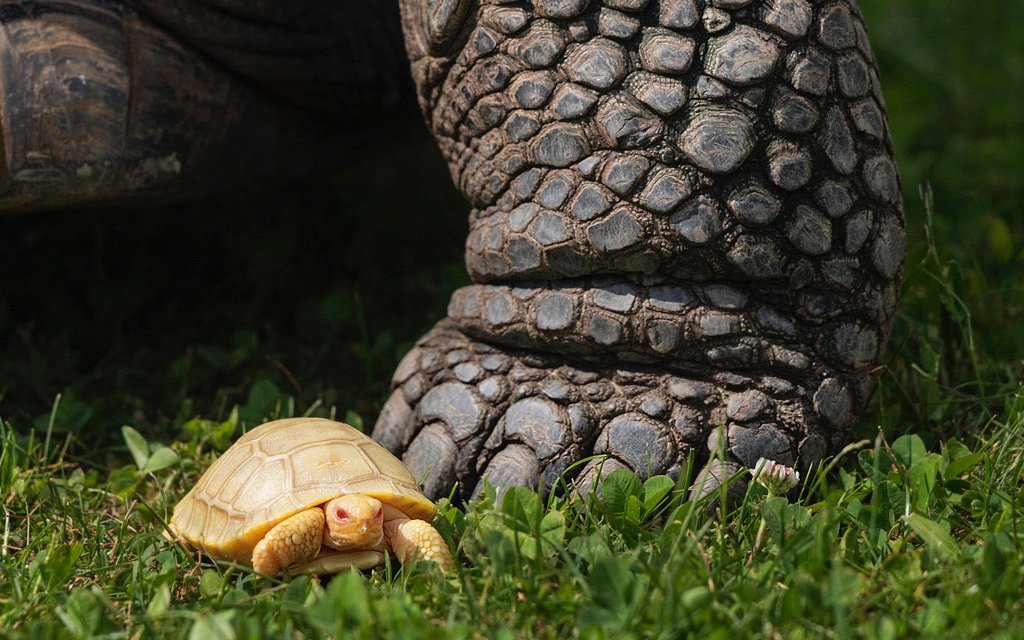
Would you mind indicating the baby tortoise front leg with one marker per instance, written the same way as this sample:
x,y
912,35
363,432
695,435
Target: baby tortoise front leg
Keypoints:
x,y
292,541
414,539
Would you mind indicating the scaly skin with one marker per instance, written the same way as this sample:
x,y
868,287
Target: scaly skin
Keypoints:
x,y
294,540
686,237
413,540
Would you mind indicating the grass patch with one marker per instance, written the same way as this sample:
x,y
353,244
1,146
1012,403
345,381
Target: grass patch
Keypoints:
x,y
898,540
137,344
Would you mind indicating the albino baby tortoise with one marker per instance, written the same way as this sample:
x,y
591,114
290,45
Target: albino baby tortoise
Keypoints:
x,y
311,495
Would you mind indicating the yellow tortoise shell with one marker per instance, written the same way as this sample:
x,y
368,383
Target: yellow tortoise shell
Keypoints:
x,y
281,468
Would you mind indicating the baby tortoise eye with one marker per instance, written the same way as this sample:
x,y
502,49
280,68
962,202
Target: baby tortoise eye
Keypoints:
x,y
444,20
341,514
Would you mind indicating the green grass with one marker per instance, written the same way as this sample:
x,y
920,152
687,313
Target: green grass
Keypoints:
x,y
894,541
189,323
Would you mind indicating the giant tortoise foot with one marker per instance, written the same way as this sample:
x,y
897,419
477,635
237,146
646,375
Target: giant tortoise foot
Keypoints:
x,y
463,411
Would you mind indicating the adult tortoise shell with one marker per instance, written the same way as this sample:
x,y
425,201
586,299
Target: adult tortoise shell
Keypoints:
x,y
283,469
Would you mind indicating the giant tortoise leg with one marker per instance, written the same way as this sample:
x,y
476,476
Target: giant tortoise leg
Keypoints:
x,y
687,238
99,103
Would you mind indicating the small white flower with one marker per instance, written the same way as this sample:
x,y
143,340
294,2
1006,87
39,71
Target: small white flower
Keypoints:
x,y
777,478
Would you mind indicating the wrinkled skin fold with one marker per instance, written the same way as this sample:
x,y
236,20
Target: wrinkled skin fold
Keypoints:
x,y
686,239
